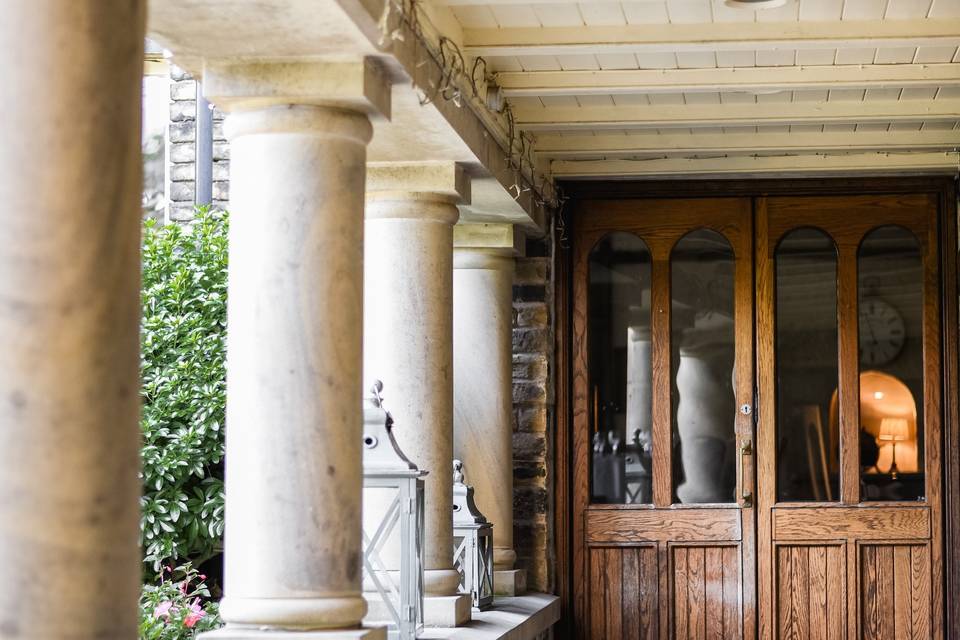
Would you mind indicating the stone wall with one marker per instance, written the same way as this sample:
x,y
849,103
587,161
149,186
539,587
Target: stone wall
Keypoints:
x,y
181,172
533,402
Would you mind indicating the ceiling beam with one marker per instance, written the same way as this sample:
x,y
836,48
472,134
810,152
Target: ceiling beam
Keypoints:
x,y
757,80
749,165
676,144
748,114
719,36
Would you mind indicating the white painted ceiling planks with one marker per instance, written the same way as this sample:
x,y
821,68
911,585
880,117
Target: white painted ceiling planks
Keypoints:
x,y
836,85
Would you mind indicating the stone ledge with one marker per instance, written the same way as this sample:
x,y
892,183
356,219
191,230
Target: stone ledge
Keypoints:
x,y
520,618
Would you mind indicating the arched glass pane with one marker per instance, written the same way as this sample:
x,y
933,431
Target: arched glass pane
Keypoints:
x,y
620,370
808,451
702,337
890,309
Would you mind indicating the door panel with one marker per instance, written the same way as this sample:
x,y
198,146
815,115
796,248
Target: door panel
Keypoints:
x,y
810,593
624,588
883,528
654,451
895,591
706,592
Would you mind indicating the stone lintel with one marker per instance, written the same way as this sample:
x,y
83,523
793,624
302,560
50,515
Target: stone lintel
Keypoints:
x,y
447,179
357,85
254,633
504,239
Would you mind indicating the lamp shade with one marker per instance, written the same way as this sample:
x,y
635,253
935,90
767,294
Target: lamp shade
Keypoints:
x,y
895,429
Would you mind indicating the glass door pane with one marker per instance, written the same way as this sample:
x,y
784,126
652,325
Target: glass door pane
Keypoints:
x,y
808,455
620,370
703,337
890,305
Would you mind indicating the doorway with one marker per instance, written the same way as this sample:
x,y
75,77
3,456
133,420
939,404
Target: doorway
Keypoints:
x,y
756,432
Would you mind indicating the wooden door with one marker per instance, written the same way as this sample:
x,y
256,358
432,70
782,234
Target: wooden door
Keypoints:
x,y
848,341
662,415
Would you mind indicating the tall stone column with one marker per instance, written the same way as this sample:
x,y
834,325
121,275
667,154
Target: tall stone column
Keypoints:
x,y
483,384
408,344
639,420
295,308
70,183
706,411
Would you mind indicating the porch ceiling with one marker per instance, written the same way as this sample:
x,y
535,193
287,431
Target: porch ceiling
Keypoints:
x,y
662,87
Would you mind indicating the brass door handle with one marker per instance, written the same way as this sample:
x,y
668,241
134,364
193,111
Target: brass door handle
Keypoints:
x,y
746,449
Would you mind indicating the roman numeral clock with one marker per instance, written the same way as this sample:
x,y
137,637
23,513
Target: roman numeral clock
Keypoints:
x,y
882,332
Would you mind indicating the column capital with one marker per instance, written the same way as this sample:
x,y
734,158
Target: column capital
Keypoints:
x,y
503,239
440,180
352,85
304,119
417,190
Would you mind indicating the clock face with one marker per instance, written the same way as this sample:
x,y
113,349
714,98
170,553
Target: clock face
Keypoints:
x,y
882,332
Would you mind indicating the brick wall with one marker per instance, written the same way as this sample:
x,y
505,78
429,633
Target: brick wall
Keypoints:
x,y
181,172
533,414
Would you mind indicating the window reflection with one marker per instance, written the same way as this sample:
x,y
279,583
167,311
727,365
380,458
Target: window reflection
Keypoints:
x,y
890,310
808,456
702,329
620,370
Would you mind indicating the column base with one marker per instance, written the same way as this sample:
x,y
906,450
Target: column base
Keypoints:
x,y
510,583
447,611
252,633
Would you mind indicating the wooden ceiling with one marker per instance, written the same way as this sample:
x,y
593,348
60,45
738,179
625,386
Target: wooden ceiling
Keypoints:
x,y
688,87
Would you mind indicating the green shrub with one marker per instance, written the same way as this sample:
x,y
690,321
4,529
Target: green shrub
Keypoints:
x,y
183,349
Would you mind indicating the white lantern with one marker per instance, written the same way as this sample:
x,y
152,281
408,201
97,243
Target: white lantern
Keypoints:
x,y
472,543
393,527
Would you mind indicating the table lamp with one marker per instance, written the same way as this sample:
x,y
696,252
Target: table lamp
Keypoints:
x,y
894,430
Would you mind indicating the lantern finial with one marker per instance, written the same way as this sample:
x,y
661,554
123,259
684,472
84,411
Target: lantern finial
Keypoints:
x,y
375,390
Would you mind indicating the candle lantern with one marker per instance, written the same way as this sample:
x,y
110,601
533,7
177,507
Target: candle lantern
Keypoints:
x,y
393,524
472,543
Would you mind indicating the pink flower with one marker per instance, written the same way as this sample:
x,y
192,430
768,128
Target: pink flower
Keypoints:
x,y
195,614
162,609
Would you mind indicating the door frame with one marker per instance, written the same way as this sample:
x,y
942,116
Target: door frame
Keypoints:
x,y
943,187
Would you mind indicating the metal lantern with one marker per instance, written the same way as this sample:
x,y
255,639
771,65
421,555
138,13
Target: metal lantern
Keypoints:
x,y
393,527
472,543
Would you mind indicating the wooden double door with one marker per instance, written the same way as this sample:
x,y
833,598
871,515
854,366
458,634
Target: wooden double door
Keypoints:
x,y
757,418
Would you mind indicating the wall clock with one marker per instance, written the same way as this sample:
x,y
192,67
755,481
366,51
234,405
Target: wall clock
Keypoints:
x,y
882,333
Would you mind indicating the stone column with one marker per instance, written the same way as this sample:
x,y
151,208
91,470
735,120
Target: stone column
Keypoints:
x,y
483,384
639,431
408,344
295,308
706,412
70,183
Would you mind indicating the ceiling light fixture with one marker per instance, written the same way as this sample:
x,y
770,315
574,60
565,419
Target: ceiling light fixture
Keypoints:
x,y
756,5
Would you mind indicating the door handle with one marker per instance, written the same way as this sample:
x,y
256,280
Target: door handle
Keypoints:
x,y
746,449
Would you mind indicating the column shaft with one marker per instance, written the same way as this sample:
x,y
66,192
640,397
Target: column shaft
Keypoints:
x,y
482,356
70,183
408,334
295,308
